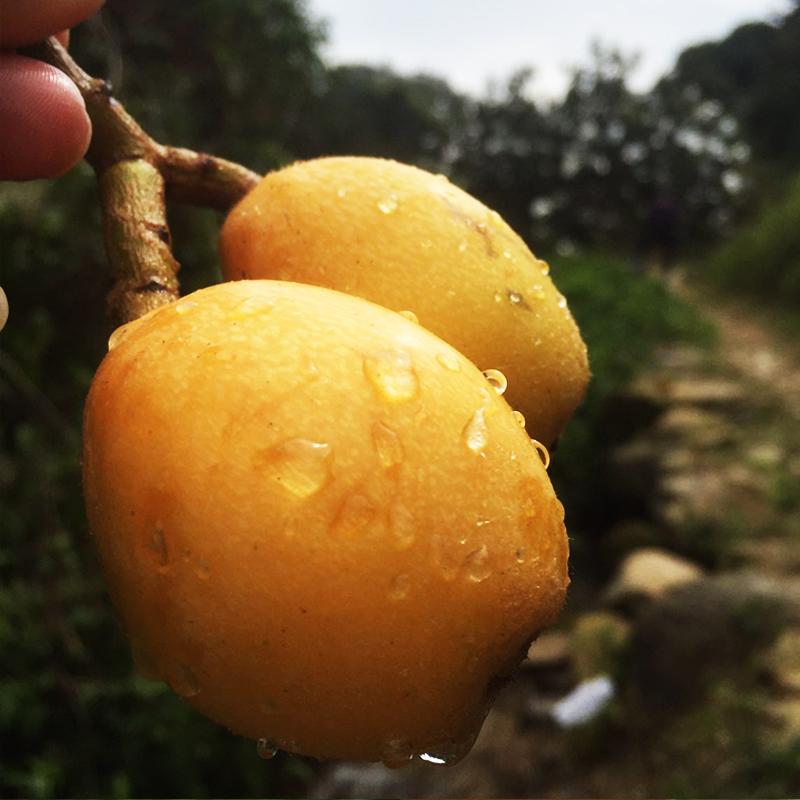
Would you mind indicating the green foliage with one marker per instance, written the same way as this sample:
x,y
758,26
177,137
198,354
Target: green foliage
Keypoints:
x,y
623,316
763,259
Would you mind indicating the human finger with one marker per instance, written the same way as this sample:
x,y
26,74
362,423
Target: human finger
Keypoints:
x,y
28,21
44,127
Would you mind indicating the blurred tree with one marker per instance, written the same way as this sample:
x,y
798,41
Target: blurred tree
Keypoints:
x,y
755,73
362,110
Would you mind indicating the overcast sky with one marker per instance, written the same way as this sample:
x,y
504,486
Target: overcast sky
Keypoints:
x,y
470,43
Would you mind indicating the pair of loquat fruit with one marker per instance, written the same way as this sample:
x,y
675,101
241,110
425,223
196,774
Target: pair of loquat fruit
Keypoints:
x,y
321,523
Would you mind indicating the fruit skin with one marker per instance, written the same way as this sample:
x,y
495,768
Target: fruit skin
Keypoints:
x,y
407,239
356,602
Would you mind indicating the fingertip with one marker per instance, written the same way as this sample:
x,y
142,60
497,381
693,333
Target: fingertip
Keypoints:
x,y
44,127
32,20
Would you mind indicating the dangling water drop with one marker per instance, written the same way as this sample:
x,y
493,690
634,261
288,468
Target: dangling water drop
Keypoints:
x,y
266,749
300,466
497,380
520,418
118,334
449,360
392,375
544,453
410,316
433,758
545,267
475,433
562,301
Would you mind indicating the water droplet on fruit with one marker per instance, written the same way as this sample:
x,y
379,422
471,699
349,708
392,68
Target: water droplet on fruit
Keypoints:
x,y
520,555
410,316
387,445
158,546
355,516
520,418
475,433
544,453
184,306
562,301
266,749
498,297
401,526
481,227
462,246
398,588
396,753
119,334
341,192
300,466
447,559
253,305
507,254
388,204
426,244
433,758
476,565
538,291
497,380
515,298
392,375
202,570
545,267
184,682
449,361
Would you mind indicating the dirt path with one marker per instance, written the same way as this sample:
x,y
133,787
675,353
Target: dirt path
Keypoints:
x,y
747,343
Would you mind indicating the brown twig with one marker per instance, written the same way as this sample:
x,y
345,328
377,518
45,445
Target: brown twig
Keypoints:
x,y
133,172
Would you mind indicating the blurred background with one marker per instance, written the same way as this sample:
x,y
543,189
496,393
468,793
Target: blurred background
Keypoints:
x,y
652,154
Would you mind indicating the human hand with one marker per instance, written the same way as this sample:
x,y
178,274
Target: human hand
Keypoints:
x,y
44,128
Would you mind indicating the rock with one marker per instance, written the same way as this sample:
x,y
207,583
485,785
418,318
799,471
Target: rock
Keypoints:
x,y
705,630
697,391
707,392
552,650
599,641
647,574
696,427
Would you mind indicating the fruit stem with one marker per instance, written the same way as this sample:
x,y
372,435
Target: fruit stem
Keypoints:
x,y
133,172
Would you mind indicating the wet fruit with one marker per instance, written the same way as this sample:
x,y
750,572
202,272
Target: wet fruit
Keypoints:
x,y
410,240
321,524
